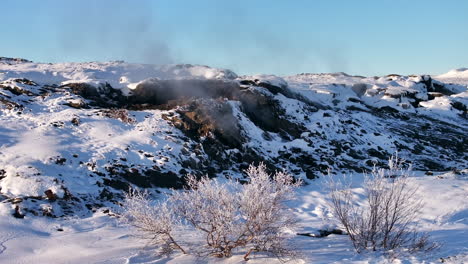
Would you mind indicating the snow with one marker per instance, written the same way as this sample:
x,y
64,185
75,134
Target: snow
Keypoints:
x,y
456,73
117,73
91,240
268,78
103,239
32,143
456,76
439,104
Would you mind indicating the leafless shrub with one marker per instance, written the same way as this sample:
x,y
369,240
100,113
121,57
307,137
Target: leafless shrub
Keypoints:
x,y
386,221
154,221
226,215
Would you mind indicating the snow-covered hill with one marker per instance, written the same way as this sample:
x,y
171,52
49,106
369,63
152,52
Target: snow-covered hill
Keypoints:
x,y
88,130
83,132
459,76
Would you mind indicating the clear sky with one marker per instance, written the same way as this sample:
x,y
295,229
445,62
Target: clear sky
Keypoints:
x,y
372,37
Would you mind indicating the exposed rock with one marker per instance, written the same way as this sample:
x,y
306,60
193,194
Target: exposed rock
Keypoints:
x,y
16,200
120,114
435,86
76,121
13,60
25,81
122,176
78,104
16,90
17,213
48,211
60,161
83,89
209,118
460,106
323,233
169,93
4,103
378,154
432,95
51,196
359,88
267,113
103,95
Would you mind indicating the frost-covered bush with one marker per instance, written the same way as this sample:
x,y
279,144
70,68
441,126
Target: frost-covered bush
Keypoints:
x,y
223,215
387,219
155,221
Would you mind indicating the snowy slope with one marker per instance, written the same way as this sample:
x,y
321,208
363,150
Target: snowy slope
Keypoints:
x,y
457,76
86,131
60,130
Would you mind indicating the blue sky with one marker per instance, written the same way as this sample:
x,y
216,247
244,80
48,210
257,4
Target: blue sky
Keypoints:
x,y
257,36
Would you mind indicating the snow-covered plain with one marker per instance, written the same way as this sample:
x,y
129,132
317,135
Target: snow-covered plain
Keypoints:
x,y
40,149
100,238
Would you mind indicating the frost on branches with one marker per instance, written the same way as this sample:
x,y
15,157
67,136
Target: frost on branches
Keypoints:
x,y
388,219
225,216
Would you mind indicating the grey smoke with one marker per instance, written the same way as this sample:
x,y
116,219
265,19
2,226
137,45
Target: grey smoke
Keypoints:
x,y
116,29
129,29
248,45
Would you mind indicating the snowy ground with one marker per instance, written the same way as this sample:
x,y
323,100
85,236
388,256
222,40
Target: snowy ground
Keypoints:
x,y
102,239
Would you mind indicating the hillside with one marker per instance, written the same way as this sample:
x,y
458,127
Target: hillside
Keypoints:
x,y
73,136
